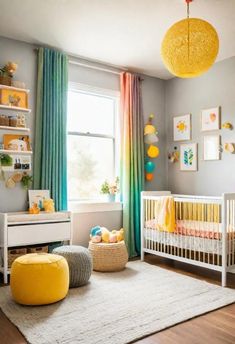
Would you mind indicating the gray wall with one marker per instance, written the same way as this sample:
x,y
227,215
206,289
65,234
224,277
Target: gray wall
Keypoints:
x,y
216,87
24,55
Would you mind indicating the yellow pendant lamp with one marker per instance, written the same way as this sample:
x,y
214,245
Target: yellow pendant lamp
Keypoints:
x,y
190,47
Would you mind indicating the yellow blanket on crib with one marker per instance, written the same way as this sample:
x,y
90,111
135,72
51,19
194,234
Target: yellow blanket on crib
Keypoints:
x,y
166,214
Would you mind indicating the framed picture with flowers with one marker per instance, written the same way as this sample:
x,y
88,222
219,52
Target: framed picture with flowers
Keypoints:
x,y
182,128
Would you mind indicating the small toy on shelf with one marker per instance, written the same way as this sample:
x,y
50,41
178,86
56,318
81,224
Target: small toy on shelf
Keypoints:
x,y
229,147
21,121
48,205
34,209
14,100
227,125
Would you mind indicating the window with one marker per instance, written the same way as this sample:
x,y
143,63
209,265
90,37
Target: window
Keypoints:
x,y
92,141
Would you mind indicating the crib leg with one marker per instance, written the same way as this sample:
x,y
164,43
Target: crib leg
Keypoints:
x,y
224,278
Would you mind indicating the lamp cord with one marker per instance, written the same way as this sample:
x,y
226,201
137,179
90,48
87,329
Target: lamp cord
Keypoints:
x,y
188,26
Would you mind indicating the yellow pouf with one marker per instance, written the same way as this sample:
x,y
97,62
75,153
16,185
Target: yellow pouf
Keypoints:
x,y
39,279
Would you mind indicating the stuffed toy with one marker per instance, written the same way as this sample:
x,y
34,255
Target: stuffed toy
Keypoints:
x,y
34,209
102,234
48,205
105,234
120,235
96,234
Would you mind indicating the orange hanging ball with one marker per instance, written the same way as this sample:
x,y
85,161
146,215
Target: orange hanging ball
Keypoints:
x,y
153,151
149,176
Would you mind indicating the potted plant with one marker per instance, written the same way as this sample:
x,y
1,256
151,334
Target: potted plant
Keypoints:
x,y
5,160
110,189
26,181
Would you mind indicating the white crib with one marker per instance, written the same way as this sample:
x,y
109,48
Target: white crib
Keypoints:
x,y
204,234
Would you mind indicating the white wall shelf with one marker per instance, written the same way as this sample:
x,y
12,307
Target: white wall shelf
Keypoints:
x,y
13,88
4,127
5,169
7,151
14,108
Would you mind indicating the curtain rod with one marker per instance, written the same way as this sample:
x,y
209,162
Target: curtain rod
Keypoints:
x,y
87,65
90,66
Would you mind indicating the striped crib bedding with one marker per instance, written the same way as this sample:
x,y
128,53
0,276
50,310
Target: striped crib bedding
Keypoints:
x,y
201,229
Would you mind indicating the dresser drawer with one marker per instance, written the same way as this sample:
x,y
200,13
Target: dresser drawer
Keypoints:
x,y
38,233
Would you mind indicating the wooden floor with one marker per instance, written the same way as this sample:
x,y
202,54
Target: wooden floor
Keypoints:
x,y
216,327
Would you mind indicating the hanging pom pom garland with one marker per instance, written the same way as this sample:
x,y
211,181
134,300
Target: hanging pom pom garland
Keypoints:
x,y
152,151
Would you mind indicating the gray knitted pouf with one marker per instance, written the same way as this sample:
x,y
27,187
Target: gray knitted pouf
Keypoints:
x,y
80,263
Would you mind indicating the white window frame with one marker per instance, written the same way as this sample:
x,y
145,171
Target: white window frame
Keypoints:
x,y
105,93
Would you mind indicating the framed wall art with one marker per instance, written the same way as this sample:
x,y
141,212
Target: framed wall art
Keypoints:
x,y
14,97
19,143
188,157
182,128
211,147
38,197
210,119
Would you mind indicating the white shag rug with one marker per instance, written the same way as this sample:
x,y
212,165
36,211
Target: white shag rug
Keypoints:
x,y
117,308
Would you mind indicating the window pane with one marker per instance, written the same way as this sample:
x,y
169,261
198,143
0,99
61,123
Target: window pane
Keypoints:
x,y
90,162
90,113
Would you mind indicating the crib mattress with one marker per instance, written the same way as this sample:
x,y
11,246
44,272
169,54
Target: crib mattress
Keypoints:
x,y
187,242
202,229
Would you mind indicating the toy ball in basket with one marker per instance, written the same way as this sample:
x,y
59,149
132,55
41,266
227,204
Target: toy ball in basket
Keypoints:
x,y
108,249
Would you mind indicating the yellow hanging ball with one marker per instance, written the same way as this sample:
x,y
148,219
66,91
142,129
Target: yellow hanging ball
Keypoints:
x,y
149,129
190,47
153,151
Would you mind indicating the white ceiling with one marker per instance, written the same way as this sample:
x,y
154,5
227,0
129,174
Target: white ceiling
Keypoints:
x,y
126,33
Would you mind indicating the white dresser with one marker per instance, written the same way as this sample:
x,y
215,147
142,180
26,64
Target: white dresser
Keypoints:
x,y
24,229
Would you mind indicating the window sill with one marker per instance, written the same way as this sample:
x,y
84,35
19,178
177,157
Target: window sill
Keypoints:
x,y
93,207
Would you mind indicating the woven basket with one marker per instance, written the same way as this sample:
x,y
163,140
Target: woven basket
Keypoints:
x,y
5,80
108,257
38,249
15,253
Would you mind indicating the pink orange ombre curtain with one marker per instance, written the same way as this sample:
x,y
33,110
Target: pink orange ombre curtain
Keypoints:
x,y
132,159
